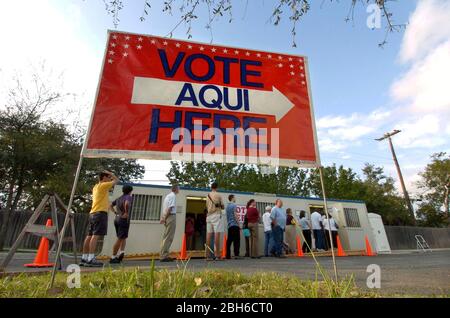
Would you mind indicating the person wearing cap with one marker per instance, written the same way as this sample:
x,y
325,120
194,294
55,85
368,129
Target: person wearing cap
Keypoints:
x,y
267,222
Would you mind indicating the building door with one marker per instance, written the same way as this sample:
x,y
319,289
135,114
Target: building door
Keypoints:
x,y
195,224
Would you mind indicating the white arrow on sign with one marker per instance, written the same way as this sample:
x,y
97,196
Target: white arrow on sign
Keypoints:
x,y
155,91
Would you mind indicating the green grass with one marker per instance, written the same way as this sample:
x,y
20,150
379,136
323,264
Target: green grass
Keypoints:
x,y
178,283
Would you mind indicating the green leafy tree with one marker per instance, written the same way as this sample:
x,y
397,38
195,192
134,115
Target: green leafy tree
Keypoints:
x,y
435,184
238,177
381,197
374,188
39,155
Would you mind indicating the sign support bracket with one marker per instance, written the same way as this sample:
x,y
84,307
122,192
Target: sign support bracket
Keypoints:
x,y
66,220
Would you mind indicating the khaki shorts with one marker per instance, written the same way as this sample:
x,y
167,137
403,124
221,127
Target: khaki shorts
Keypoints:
x,y
215,223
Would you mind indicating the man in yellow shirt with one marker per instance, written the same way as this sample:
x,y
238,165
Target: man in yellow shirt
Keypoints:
x,y
98,218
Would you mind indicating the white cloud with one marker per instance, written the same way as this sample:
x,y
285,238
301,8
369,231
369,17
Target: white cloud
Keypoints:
x,y
421,132
337,133
425,87
429,25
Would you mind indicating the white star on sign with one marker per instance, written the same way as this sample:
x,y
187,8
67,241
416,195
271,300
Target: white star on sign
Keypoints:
x,y
178,45
127,38
247,53
165,43
300,60
292,73
303,83
236,52
302,75
280,65
126,46
113,44
125,54
153,41
269,56
190,47
301,67
213,50
225,51
290,59
110,61
291,66
201,48
258,54
140,39
139,47
114,37
280,57
111,52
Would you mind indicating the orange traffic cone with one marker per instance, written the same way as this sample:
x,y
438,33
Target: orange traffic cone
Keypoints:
x,y
183,254
369,248
41,259
299,248
340,249
224,247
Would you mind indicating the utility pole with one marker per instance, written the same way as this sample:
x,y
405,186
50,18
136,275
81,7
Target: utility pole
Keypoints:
x,y
397,166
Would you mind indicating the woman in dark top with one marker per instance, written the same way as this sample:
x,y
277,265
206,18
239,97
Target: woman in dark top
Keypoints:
x,y
253,226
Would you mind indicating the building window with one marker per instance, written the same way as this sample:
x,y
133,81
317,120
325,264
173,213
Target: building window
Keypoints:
x,y
351,217
146,207
261,206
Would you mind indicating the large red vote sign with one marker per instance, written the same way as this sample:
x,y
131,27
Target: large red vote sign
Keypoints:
x,y
160,97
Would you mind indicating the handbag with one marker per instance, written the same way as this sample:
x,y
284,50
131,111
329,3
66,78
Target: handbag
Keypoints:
x,y
246,232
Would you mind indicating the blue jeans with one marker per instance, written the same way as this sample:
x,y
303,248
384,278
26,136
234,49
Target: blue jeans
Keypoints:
x,y
267,242
318,235
277,240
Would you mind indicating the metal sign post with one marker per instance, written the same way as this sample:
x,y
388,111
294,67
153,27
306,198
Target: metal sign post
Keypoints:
x,y
328,220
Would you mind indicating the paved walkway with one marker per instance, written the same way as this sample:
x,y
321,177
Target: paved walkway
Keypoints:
x,y
401,273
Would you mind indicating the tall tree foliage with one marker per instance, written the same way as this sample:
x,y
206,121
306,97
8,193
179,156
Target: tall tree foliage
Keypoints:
x,y
435,185
39,155
374,188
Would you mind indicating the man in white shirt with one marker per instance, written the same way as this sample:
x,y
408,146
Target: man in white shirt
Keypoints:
x,y
267,221
168,218
317,227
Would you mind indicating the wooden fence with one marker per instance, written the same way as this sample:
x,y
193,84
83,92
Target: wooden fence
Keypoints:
x,y
20,218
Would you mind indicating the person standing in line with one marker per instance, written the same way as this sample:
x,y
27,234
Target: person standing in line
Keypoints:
x,y
317,227
334,230
291,232
234,231
306,230
122,207
170,222
267,230
189,231
98,217
214,222
278,217
253,226
246,233
326,232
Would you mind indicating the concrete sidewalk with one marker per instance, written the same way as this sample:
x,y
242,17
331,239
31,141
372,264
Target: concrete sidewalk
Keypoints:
x,y
411,273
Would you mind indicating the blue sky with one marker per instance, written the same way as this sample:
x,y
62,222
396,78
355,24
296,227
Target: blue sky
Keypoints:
x,y
359,90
